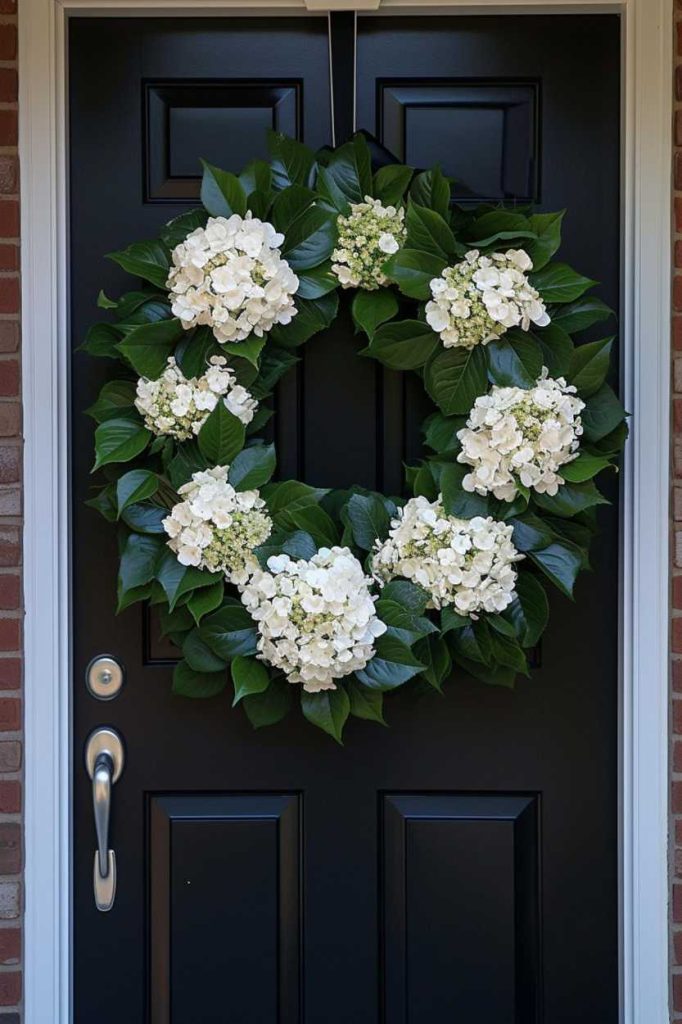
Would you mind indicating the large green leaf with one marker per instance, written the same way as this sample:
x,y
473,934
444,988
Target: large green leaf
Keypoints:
x,y
529,611
392,665
268,707
390,183
312,316
428,232
585,467
581,314
289,205
402,622
348,173
135,486
407,594
248,676
457,501
530,533
547,227
148,346
221,192
413,271
205,600
365,703
221,437
119,440
602,414
256,177
316,282
455,377
440,432
433,651
557,348
138,561
252,467
403,344
177,229
297,545
188,683
115,401
145,518
373,308
368,518
327,710
310,239
148,260
561,562
102,340
177,580
230,631
514,361
431,189
292,162
570,499
589,366
557,282
199,656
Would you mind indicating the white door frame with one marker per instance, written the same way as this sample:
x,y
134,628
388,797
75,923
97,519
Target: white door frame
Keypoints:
x,y
646,279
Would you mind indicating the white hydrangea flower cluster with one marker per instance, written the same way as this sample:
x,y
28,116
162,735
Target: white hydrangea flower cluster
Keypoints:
x,y
316,618
367,237
216,527
178,406
230,275
480,298
516,435
464,563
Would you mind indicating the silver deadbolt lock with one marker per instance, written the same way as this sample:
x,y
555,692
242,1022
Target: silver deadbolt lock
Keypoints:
x,y
104,760
104,677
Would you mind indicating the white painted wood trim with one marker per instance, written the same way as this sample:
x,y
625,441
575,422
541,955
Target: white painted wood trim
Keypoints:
x,y
646,275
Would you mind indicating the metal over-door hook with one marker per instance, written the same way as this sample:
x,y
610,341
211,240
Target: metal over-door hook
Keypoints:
x,y
104,760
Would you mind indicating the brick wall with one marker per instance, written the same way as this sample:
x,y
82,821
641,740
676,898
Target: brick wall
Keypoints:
x,y
10,533
676,631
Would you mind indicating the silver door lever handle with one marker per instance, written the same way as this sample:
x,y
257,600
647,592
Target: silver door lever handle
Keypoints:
x,y
104,761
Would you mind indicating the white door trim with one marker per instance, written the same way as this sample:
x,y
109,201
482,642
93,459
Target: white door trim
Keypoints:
x,y
646,276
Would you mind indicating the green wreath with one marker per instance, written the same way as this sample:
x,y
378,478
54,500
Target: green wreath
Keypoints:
x,y
340,596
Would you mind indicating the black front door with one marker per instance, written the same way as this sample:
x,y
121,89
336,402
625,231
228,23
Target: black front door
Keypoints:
x,y
460,866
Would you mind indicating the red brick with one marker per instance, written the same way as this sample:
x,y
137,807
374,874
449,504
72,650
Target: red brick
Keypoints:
x,y
9,378
10,462
677,676
677,172
678,83
10,636
9,257
678,214
10,501
10,591
10,295
9,86
677,712
678,251
10,715
9,175
9,218
8,42
677,941
10,799
677,991
9,131
10,848
677,903
10,546
10,756
677,332
10,419
10,988
677,292
678,128
677,797
10,947
10,673
9,335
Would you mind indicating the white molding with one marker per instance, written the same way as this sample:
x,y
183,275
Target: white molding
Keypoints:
x,y
646,273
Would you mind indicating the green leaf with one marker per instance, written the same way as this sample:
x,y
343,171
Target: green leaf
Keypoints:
x,y
589,366
310,239
187,460
514,361
259,204
457,501
506,651
390,183
249,349
431,189
413,272
349,172
393,664
433,651
221,192
148,260
314,521
119,440
136,485
578,316
292,162
221,437
188,683
287,495
584,467
178,621
499,225
530,533
428,232
365,703
557,349
205,600
327,710
368,518
312,316
314,283
115,401
290,204
455,377
145,518
268,707
297,545
256,177
498,676
570,499
403,623
529,611
440,431
602,414
403,344
248,676
274,364
138,561
561,562
230,631
373,308
557,282
102,340
177,579
547,227
148,346
473,642
177,229
252,467
451,620
407,594
199,655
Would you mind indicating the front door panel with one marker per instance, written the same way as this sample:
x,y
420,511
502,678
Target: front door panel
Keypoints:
x,y
462,864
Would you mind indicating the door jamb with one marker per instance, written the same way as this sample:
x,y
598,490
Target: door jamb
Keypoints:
x,y
646,281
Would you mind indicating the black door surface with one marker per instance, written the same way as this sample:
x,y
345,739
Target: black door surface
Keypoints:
x,y
459,867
